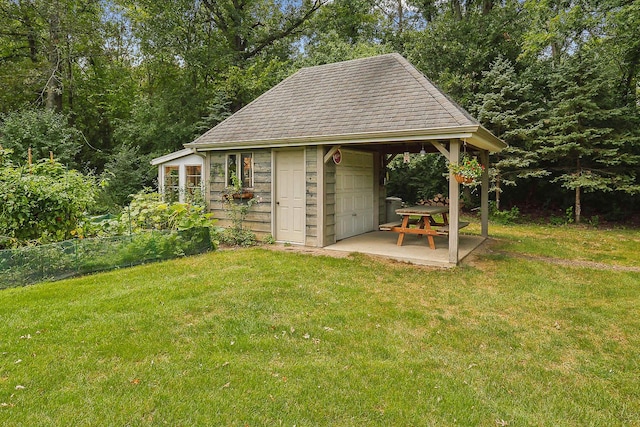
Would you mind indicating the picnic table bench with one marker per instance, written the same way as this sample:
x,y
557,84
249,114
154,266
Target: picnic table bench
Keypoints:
x,y
420,220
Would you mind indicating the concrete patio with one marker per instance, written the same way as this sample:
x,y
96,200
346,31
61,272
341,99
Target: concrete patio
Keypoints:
x,y
415,250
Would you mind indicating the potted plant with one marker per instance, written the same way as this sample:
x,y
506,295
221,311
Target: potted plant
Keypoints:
x,y
467,171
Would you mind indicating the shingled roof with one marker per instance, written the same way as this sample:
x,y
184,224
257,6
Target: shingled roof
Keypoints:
x,y
382,95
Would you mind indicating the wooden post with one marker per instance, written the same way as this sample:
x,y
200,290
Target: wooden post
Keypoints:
x,y
320,198
51,156
484,194
454,204
29,156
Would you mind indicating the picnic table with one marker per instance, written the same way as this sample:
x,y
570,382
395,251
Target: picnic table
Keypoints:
x,y
420,220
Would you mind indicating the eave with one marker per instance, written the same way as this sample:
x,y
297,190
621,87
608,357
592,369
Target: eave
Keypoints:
x,y
474,135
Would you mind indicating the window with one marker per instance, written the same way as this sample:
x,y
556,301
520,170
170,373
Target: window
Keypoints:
x,y
241,166
172,183
194,178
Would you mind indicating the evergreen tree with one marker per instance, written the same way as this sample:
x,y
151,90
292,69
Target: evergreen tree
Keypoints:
x,y
506,107
587,143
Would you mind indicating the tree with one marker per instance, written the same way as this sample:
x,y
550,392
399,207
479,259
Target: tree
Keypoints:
x,y
588,143
507,107
125,174
422,178
43,131
453,50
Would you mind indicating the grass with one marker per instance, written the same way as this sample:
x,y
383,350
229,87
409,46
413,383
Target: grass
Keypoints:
x,y
256,337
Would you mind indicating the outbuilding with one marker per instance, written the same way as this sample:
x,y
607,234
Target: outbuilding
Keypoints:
x,y
313,150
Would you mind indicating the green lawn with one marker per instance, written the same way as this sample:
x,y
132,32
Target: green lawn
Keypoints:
x,y
255,337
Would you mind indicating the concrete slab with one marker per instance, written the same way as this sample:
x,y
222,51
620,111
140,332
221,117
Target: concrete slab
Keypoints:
x,y
415,249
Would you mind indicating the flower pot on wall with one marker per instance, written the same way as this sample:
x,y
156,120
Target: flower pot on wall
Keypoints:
x,y
242,196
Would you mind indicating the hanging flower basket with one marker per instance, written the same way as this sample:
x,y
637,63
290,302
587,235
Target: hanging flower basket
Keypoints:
x,y
463,179
467,171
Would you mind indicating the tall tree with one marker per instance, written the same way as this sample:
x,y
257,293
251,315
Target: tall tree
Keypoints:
x,y
588,143
506,105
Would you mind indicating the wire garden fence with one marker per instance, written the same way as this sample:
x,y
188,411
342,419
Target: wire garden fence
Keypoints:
x,y
29,265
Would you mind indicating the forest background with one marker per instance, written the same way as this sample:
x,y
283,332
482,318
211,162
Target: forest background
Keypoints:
x,y
109,84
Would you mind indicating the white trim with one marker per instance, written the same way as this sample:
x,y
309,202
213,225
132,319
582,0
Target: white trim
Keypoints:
x,y
173,156
181,163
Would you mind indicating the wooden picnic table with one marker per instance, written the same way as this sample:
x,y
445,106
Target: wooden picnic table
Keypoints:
x,y
426,224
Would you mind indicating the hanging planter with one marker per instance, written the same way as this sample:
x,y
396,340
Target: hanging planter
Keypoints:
x,y
463,179
467,171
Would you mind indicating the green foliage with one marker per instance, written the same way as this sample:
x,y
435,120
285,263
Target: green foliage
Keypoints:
x,y
142,77
42,203
44,131
126,173
269,239
468,167
505,217
147,211
237,210
421,178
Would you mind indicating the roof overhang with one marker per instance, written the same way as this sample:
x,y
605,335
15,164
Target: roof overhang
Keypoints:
x,y
476,136
173,156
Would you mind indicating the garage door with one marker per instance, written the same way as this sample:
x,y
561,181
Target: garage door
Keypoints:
x,y
354,194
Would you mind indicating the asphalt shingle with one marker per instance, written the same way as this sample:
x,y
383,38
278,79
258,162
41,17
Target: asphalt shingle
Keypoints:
x,y
381,93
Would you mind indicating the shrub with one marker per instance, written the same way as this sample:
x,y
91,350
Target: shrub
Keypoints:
x,y
148,211
43,131
510,216
42,203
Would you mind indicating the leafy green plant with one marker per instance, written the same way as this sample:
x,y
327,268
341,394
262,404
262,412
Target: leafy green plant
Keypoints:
x,y
569,215
42,203
269,239
469,168
237,210
421,178
510,216
148,211
32,264
42,130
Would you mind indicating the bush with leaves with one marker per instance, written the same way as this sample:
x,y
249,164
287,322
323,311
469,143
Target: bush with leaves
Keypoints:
x,y
237,210
421,178
42,130
42,203
147,211
127,172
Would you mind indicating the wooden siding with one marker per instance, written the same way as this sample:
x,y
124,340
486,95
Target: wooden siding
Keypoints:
x,y
311,173
330,203
258,219
379,173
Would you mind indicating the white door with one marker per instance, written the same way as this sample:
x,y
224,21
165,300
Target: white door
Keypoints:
x,y
354,194
290,191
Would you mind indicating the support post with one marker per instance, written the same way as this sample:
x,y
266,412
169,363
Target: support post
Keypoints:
x,y
320,199
484,194
454,204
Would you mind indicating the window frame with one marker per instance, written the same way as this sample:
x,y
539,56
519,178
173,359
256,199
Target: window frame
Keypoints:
x,y
190,188
171,182
239,156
